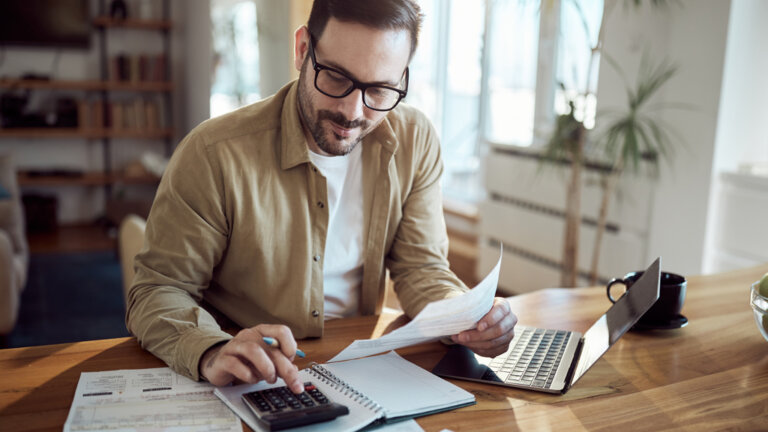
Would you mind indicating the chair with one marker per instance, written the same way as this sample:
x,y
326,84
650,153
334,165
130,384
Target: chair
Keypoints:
x,y
14,250
130,241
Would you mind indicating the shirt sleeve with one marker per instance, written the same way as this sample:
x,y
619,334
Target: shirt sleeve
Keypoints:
x,y
418,258
185,238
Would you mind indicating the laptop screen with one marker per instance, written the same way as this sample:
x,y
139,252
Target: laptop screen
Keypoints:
x,y
618,319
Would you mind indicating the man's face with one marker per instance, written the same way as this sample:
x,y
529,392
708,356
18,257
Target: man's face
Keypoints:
x,y
334,126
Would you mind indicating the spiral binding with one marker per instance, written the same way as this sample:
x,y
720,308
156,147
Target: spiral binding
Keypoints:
x,y
326,376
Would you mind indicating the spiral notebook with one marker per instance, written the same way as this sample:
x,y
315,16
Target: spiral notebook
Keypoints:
x,y
379,389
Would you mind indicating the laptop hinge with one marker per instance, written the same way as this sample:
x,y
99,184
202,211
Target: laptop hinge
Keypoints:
x,y
572,368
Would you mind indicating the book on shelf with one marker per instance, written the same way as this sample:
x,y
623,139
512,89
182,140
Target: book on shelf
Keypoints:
x,y
116,120
137,68
153,115
84,115
90,114
97,111
138,114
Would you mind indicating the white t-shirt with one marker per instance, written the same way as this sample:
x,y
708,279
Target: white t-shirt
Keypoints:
x,y
343,259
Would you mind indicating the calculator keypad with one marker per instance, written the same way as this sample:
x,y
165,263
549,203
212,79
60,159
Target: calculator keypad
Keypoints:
x,y
279,408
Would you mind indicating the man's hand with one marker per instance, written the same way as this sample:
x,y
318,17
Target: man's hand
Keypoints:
x,y
247,358
493,333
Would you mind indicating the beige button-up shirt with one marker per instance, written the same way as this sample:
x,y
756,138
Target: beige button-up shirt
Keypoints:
x,y
240,221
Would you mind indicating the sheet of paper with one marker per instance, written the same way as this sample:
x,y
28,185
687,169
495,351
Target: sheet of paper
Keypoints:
x,y
438,319
147,399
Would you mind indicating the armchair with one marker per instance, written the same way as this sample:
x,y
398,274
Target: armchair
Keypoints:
x,y
14,251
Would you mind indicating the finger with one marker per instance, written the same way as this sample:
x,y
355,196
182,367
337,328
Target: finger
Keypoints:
x,y
225,366
253,354
287,371
499,310
240,368
506,325
283,335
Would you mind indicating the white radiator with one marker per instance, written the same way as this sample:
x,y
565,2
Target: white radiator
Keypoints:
x,y
741,222
525,212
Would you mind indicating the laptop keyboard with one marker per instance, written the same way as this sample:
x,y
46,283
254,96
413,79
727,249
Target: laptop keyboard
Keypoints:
x,y
533,359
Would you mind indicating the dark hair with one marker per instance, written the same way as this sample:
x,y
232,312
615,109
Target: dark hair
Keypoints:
x,y
380,14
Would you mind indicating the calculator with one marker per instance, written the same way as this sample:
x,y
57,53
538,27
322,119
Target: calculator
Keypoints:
x,y
279,408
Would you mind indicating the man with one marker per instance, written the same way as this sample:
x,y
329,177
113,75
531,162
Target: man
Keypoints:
x,y
288,212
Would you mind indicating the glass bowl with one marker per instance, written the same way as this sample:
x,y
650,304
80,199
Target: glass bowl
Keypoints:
x,y
760,309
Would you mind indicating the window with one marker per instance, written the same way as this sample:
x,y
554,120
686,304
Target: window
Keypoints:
x,y
579,25
488,74
236,55
513,48
446,85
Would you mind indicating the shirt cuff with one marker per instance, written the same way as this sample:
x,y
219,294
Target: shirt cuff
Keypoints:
x,y
191,347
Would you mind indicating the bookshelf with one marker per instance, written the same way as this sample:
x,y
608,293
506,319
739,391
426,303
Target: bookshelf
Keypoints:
x,y
84,179
77,133
120,108
86,85
104,21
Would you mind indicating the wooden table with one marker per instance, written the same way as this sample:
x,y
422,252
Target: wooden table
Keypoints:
x,y
709,375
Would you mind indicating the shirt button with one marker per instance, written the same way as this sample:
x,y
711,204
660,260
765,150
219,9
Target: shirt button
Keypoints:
x,y
315,313
320,204
316,258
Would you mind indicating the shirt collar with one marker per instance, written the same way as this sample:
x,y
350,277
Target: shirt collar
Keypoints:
x,y
294,143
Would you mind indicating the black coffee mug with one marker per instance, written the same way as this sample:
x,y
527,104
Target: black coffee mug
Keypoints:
x,y
671,296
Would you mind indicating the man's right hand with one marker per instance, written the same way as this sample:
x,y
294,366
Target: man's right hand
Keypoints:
x,y
247,358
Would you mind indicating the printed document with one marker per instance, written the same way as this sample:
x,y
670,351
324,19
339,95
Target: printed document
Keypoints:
x,y
438,319
147,400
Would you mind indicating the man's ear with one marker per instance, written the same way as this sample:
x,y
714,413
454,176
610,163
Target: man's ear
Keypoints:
x,y
300,46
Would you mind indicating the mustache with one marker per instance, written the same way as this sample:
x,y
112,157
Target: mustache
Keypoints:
x,y
340,120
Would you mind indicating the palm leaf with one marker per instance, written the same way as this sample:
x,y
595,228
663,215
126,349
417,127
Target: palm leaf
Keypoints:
x,y
633,134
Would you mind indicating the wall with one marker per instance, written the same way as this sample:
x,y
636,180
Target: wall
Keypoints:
x,y
735,228
192,21
693,35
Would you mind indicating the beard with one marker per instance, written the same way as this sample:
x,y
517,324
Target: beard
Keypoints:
x,y
319,121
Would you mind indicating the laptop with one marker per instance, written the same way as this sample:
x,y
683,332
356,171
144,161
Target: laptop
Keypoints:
x,y
553,360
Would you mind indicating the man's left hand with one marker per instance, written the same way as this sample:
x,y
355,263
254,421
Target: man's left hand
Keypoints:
x,y
493,333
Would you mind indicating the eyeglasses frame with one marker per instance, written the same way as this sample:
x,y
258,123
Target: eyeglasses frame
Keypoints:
x,y
317,66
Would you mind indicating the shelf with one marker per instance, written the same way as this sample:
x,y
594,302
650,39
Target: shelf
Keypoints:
x,y
132,23
148,86
72,239
83,133
50,133
88,85
85,179
127,133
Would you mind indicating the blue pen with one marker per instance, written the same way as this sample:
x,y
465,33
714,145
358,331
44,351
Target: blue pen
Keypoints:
x,y
274,343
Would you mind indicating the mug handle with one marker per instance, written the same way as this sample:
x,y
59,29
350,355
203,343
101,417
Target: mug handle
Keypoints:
x,y
610,284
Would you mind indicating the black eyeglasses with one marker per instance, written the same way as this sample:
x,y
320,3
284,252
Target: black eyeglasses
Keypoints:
x,y
336,84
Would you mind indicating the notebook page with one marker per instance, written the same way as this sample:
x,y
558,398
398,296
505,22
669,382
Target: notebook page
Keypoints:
x,y
357,418
399,386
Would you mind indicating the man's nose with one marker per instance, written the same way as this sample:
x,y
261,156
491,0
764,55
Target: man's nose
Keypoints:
x,y
352,105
